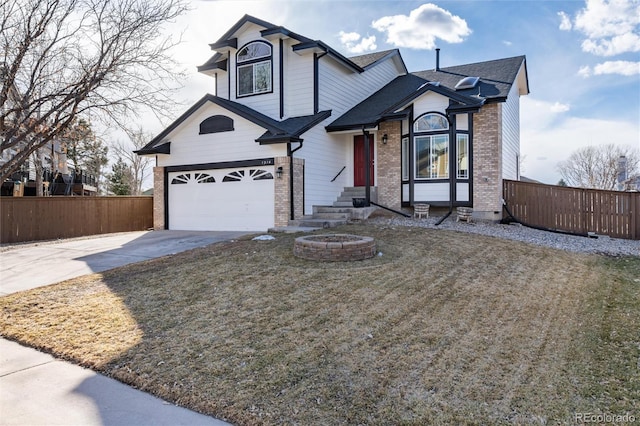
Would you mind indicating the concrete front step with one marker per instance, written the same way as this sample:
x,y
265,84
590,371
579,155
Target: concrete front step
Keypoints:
x,y
310,221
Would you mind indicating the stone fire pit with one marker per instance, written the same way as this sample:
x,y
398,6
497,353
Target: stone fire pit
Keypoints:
x,y
334,247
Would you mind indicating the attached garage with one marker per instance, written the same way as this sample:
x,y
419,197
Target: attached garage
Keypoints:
x,y
229,199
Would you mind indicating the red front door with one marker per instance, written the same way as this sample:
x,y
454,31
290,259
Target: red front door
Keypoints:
x,y
359,160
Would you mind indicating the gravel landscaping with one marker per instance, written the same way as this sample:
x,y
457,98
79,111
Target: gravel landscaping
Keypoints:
x,y
600,245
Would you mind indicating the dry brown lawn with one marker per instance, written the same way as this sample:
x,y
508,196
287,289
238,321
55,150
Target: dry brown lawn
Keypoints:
x,y
443,328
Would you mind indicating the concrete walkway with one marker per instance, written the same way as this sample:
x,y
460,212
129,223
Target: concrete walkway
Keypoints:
x,y
37,389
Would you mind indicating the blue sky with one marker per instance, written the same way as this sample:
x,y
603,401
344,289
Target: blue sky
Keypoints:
x,y
583,57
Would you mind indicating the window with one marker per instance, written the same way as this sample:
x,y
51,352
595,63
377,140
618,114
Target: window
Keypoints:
x,y
431,146
254,64
405,158
216,124
430,122
432,157
463,156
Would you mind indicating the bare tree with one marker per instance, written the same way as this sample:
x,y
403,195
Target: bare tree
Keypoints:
x,y
138,164
62,59
597,166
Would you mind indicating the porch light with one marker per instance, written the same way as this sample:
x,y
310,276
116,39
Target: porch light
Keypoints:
x,y
385,139
279,172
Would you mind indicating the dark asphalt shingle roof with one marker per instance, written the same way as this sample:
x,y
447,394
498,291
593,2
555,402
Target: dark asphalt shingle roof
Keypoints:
x,y
368,59
496,79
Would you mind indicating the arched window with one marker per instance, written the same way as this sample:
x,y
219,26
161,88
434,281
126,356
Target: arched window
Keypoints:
x,y
430,122
216,124
431,146
254,68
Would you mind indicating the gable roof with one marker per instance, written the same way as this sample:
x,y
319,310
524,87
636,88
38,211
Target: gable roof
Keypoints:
x,y
383,104
371,59
228,40
288,130
496,79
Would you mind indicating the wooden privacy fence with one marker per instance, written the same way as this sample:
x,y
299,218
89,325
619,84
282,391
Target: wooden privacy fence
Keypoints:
x,y
577,210
47,218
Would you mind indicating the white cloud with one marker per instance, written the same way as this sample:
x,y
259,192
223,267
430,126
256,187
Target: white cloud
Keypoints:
x,y
354,43
626,68
602,18
585,71
507,43
548,137
565,21
612,27
558,107
617,67
617,45
422,27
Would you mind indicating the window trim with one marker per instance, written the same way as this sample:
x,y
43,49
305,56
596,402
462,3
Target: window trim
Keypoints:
x,y
253,63
458,176
430,137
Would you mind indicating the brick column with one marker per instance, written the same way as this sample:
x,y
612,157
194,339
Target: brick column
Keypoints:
x,y
487,163
282,192
158,198
389,178
298,187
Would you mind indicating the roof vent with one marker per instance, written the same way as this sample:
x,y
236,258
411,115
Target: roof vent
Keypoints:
x,y
467,83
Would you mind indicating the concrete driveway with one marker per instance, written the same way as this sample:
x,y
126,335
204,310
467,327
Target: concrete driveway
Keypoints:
x,y
33,265
37,389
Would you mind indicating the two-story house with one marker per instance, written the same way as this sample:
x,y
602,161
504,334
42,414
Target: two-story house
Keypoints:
x,y
293,122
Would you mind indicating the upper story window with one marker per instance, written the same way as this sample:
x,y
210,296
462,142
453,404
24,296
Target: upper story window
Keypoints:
x,y
254,68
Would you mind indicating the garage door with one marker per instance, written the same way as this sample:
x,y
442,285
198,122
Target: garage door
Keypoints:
x,y
239,199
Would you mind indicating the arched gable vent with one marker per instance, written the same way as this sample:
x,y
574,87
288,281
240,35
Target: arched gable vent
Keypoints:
x,y
216,124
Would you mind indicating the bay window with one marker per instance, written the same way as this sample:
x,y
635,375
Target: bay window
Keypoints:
x,y
432,157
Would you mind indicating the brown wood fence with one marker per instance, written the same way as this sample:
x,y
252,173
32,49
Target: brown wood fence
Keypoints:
x,y
47,218
578,210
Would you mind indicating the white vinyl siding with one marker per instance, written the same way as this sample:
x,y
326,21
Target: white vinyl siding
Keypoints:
x,y
266,103
341,89
437,191
462,191
462,122
430,102
189,147
325,154
511,135
298,82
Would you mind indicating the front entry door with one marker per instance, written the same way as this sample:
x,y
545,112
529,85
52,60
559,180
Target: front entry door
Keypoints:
x,y
359,160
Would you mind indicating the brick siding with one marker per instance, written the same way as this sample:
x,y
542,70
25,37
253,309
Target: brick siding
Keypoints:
x,y
487,163
389,176
158,198
282,194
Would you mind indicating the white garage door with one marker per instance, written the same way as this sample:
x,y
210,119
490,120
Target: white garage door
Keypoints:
x,y
239,199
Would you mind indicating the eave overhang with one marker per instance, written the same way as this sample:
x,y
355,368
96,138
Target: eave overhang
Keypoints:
x,y
316,46
164,148
225,44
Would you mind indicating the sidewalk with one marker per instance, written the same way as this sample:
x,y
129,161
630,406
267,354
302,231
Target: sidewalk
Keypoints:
x,y
36,388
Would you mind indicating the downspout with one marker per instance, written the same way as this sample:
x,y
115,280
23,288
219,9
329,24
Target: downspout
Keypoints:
x,y
291,192
452,166
367,169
